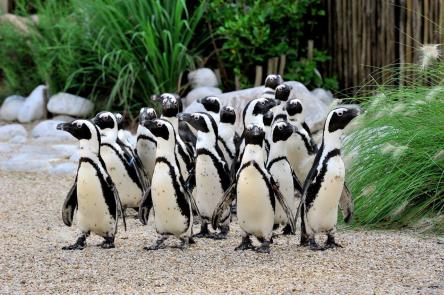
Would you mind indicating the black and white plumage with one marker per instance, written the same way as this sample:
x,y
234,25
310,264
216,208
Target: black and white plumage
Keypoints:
x,y
325,181
228,137
146,142
268,120
126,172
93,195
282,93
168,197
212,106
256,193
212,176
122,134
170,109
281,171
271,82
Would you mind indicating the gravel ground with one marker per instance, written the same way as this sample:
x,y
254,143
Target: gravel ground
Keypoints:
x,y
371,262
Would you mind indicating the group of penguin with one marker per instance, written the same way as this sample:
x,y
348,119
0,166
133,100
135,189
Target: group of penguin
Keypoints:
x,y
188,168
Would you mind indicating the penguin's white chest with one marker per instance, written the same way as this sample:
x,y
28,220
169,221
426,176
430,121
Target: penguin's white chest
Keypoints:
x,y
167,215
281,172
180,159
208,191
92,211
298,157
254,210
146,150
129,193
322,216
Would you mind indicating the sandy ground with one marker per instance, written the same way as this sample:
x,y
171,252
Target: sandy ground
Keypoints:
x,y
371,262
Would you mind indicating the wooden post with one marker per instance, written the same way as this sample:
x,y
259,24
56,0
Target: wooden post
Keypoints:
x,y
283,60
258,78
270,66
236,82
310,49
5,6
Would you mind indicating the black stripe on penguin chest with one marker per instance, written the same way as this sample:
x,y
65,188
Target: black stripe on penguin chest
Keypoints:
x,y
107,193
129,170
222,171
145,137
181,199
224,144
264,178
315,187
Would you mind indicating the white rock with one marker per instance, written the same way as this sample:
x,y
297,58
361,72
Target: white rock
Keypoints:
x,y
18,139
64,168
7,132
64,118
6,147
75,157
11,107
26,163
202,77
201,92
47,129
68,104
324,95
34,107
65,150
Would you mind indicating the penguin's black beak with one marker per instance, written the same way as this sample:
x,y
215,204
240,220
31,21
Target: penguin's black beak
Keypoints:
x,y
184,117
68,127
150,124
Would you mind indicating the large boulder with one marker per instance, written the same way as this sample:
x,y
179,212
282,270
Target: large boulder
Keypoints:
x,y
68,104
11,107
66,168
47,129
8,132
324,95
34,107
201,92
202,77
26,163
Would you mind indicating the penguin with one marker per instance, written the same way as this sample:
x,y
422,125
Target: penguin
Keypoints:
x,y
324,183
170,110
122,134
271,82
212,106
282,93
302,152
146,142
268,120
228,137
256,193
120,163
93,195
168,197
280,170
212,176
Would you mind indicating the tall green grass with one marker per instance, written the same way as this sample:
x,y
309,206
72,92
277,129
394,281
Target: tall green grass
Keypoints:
x,y
397,147
115,52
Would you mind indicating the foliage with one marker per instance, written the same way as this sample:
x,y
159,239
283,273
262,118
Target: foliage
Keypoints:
x,y
119,52
397,173
250,32
16,61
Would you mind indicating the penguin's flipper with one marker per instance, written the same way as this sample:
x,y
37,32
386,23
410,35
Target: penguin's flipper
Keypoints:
x,y
346,204
224,203
145,207
135,163
297,185
70,205
281,200
190,182
119,208
192,201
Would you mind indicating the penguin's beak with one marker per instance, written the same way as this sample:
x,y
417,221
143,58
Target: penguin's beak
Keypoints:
x,y
68,127
184,117
150,124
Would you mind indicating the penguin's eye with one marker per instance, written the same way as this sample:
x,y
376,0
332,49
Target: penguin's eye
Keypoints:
x,y
262,102
159,125
340,113
280,127
79,125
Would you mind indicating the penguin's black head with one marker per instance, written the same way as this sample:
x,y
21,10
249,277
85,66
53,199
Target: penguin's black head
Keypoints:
x,y
122,122
210,103
171,105
254,134
268,118
282,131
200,121
272,81
160,128
105,120
339,118
293,107
80,129
146,114
263,105
228,115
282,92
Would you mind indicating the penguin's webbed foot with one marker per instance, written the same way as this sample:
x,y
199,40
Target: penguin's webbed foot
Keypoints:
x,y
222,235
314,246
108,243
204,232
80,244
159,244
263,248
331,243
184,243
245,245
287,230
304,241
